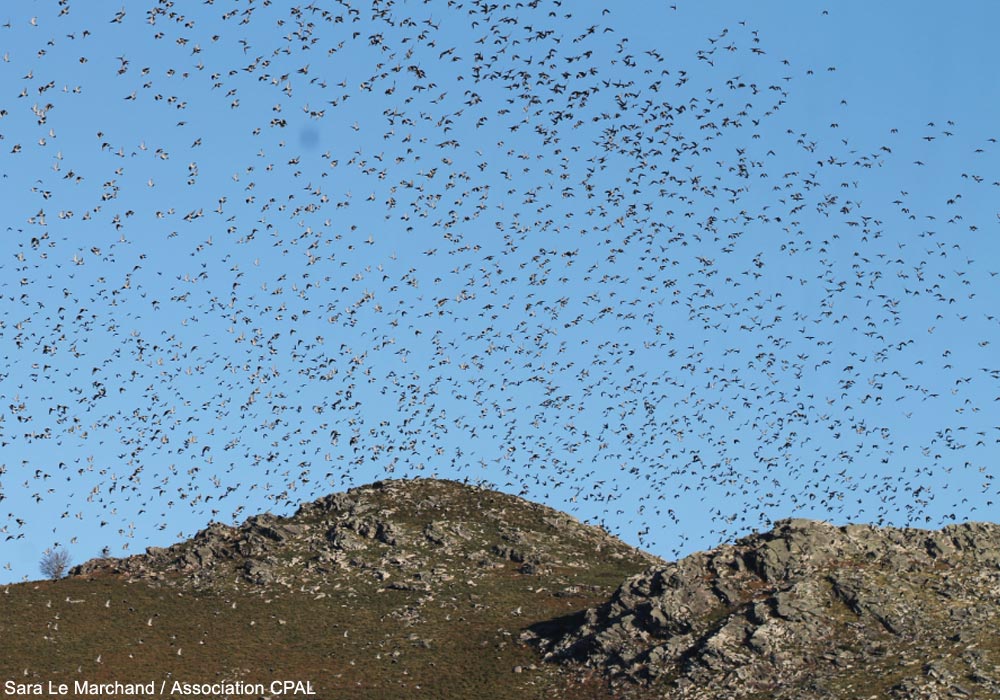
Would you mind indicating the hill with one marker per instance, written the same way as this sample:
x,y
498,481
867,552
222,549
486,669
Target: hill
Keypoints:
x,y
805,611
429,588
396,589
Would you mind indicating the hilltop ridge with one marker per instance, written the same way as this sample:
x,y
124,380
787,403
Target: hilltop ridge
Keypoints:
x,y
409,533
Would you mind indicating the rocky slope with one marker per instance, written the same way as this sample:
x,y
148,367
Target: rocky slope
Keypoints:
x,y
808,610
404,535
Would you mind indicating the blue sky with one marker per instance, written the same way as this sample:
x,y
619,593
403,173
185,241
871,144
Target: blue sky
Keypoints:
x,y
679,271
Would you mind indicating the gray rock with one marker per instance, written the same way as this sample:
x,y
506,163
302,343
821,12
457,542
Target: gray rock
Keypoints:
x,y
509,553
387,533
797,608
436,533
258,572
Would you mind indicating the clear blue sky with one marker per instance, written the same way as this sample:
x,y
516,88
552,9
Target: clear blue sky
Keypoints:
x,y
680,268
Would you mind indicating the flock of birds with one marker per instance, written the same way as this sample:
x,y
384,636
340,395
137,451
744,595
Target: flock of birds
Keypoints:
x,y
261,252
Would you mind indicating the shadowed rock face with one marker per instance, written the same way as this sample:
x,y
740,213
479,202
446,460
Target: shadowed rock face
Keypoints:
x,y
808,610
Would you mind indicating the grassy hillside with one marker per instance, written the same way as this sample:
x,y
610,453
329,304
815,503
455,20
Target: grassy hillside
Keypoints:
x,y
437,613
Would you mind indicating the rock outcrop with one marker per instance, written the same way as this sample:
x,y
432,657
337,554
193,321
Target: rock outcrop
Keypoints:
x,y
404,535
808,610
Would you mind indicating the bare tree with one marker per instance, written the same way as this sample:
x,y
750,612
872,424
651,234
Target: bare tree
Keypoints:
x,y
54,562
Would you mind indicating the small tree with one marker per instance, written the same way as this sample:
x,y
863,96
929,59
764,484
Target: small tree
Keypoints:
x,y
54,562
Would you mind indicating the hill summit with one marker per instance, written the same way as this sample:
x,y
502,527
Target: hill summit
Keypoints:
x,y
403,534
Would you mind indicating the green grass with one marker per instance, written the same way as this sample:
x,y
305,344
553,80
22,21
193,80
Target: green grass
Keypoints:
x,y
461,647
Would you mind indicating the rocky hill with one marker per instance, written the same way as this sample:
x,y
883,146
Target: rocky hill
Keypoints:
x,y
440,589
805,611
402,535
391,590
